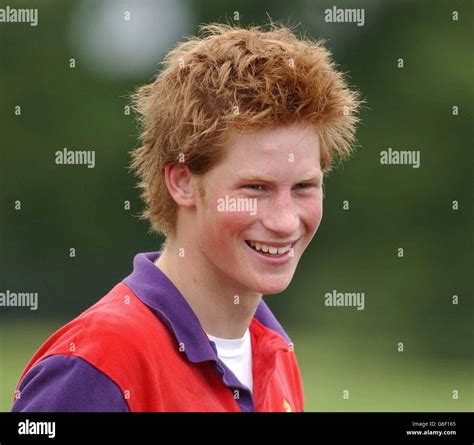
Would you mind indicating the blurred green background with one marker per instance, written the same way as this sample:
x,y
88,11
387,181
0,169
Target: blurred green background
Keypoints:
x,y
408,300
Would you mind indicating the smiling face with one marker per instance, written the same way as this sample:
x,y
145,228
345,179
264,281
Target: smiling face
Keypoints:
x,y
262,206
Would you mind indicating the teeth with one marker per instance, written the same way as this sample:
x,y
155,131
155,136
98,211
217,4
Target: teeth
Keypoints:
x,y
282,250
270,249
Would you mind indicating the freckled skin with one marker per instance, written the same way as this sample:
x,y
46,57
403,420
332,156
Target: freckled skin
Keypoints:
x,y
285,210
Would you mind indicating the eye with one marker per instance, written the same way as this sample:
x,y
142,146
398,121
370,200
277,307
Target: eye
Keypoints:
x,y
254,186
305,185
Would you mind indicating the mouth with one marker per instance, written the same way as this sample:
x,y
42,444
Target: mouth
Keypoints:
x,y
271,250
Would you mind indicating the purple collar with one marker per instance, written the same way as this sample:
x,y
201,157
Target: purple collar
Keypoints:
x,y
157,291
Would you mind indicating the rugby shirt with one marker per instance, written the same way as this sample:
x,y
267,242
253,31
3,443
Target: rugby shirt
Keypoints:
x,y
141,348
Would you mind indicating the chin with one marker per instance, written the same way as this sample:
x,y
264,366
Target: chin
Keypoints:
x,y
273,287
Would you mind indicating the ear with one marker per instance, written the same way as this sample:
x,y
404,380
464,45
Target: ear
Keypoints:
x,y
180,184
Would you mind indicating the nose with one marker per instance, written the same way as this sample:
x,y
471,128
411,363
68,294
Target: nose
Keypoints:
x,y
281,216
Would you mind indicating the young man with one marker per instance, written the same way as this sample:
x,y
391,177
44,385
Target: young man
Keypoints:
x,y
238,129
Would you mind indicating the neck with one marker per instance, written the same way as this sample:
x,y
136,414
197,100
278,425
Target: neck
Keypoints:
x,y
223,307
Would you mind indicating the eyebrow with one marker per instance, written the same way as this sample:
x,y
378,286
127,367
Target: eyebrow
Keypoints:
x,y
252,176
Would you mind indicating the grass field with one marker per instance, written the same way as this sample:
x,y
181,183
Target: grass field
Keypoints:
x,y
330,364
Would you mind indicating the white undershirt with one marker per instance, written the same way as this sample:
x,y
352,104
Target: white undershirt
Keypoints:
x,y
236,353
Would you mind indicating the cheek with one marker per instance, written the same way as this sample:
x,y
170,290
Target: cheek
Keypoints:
x,y
312,216
218,227
235,222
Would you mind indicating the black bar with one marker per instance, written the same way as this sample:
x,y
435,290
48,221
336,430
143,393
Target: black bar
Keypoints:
x,y
289,427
